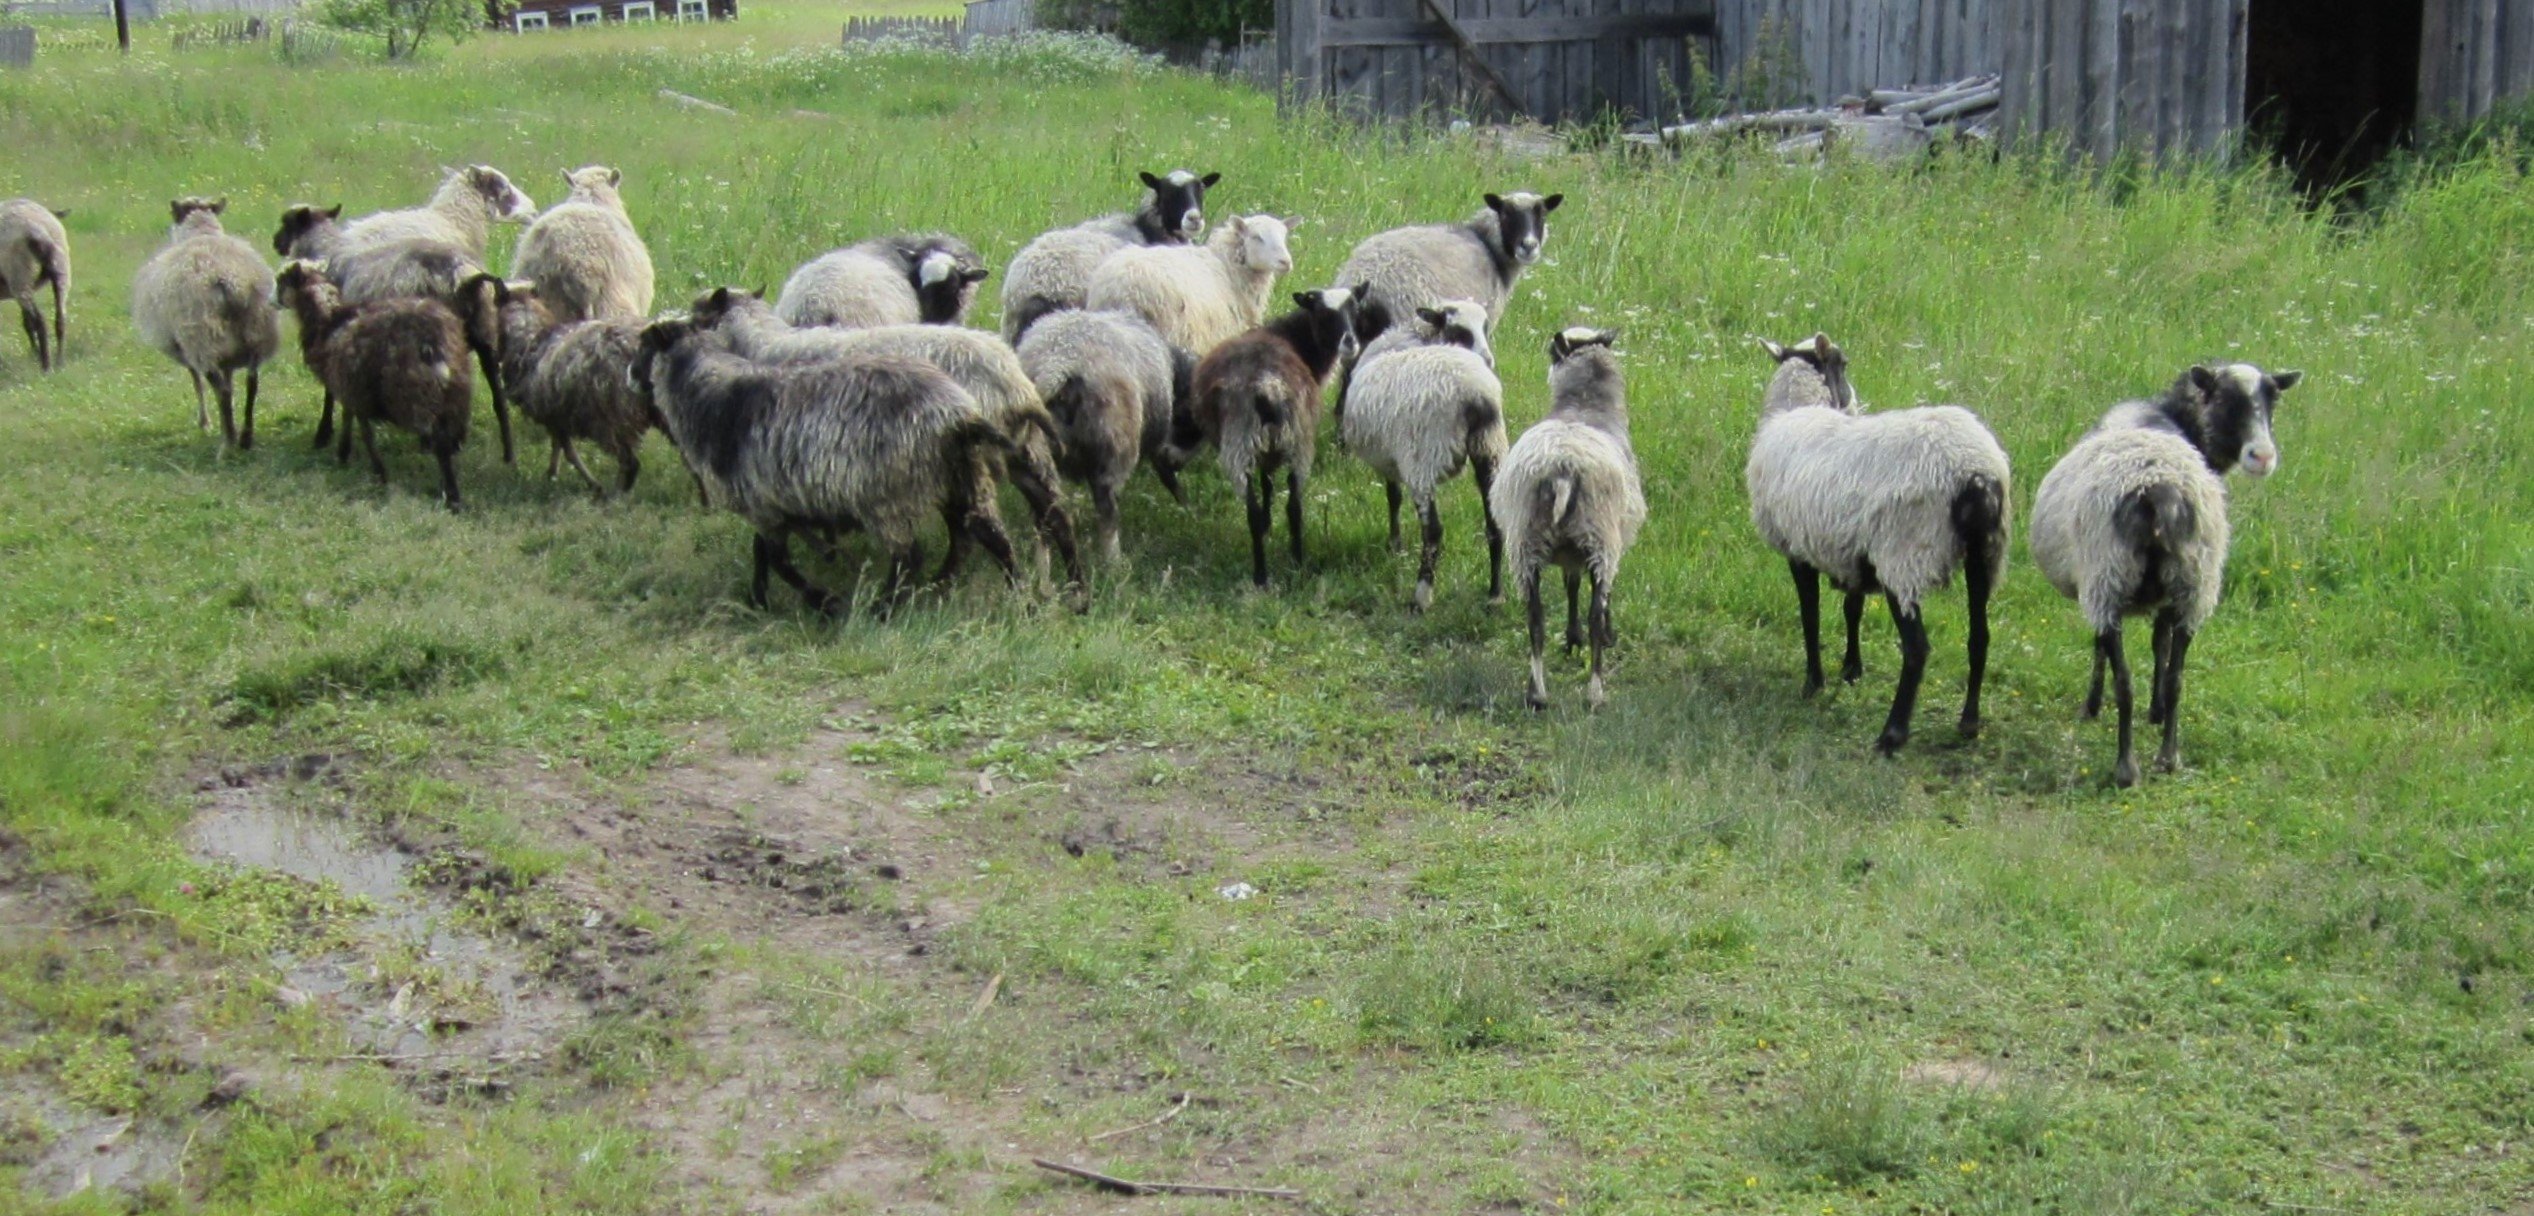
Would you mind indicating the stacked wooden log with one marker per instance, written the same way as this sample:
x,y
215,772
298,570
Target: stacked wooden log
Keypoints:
x,y
1886,124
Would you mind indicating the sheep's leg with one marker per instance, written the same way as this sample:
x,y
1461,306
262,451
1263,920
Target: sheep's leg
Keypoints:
x,y
1104,507
1808,605
446,454
987,531
1170,481
1603,637
1430,552
61,342
2169,756
246,437
1537,697
764,565
369,445
2094,689
1293,513
1574,610
226,390
1391,488
2161,641
906,566
1913,638
1255,490
554,456
501,403
31,319
2107,648
1852,667
1979,578
343,441
776,551
572,455
628,467
1484,471
202,407
325,421
1047,511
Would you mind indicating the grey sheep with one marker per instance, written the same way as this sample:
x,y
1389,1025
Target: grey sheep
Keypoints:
x,y
977,361
205,300
572,378
2133,521
1052,273
1461,323
35,253
1114,388
1199,296
1894,502
461,212
1416,414
1569,496
1480,259
877,444
1256,398
583,254
402,362
919,279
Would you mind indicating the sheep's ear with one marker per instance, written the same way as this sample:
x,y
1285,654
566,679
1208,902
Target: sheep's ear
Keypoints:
x,y
1494,202
1151,182
1779,353
1291,222
176,211
59,213
1431,317
720,297
1209,179
1236,224
567,175
1363,291
615,177
220,205
335,212
974,274
2287,380
1307,300
2202,378
1550,203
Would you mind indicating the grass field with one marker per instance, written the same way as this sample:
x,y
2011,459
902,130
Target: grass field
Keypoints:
x,y
858,917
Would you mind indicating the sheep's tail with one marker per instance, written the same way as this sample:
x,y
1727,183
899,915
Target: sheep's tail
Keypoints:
x,y
237,308
1270,408
1069,400
1556,499
1030,311
1979,522
2155,519
1482,427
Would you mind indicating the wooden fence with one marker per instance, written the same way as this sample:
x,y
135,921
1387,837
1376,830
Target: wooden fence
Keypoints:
x,y
945,30
17,46
2164,77
1843,48
2474,54
251,29
1000,17
1551,60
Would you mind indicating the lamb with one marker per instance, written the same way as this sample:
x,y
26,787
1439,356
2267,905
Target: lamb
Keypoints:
x,y
922,279
35,252
1256,398
1892,502
1051,274
570,377
397,361
1115,389
1477,259
1198,297
2133,520
462,213
873,443
206,301
1416,414
1569,494
979,362
583,254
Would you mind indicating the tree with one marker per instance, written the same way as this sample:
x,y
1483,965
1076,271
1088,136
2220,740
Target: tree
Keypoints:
x,y
406,24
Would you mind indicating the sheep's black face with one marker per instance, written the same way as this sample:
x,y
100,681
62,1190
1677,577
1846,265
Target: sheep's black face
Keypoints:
x,y
184,207
1522,223
1333,311
507,202
2236,402
1570,342
299,221
1179,200
714,306
945,285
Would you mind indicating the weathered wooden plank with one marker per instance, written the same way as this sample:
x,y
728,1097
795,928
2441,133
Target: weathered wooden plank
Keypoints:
x,y
1396,31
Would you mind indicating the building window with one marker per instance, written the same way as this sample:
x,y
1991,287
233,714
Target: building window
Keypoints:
x,y
694,10
639,10
525,22
586,14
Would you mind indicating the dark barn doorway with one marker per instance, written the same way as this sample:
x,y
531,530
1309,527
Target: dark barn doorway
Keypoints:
x,y
2332,84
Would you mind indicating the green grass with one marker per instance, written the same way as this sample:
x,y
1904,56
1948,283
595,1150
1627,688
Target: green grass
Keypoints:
x,y
1693,940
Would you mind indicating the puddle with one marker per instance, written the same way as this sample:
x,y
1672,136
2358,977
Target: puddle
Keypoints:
x,y
68,1150
421,989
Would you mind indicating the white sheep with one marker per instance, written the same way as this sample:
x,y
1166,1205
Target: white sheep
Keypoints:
x,y
1052,273
1478,259
1461,323
2133,520
1114,388
918,279
462,212
583,254
1198,296
1569,495
1892,502
205,299
1416,413
35,253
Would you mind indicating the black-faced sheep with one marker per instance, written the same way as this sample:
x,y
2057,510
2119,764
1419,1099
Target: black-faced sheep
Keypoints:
x,y
1256,398
462,213
1477,259
2133,521
1417,413
571,377
1569,496
1114,388
1199,296
1052,273
919,279
876,444
1894,502
583,254
205,299
402,362
35,253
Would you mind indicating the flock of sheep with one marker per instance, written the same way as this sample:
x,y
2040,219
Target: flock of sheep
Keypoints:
x,y
857,399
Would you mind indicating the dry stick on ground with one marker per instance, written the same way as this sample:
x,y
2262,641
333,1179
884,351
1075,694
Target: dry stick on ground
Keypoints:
x,y
1125,1187
1165,1117
986,997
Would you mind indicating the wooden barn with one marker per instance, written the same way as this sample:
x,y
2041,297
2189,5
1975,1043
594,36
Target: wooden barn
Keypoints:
x,y
527,16
2336,81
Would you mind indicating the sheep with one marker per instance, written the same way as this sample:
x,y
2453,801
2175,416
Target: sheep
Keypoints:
x,y
1477,259
1416,414
979,362
417,266
309,232
1256,398
922,279
1461,323
583,254
570,377
873,443
398,361
205,299
1568,494
462,212
2133,520
35,252
1891,502
1114,388
1051,273
1198,296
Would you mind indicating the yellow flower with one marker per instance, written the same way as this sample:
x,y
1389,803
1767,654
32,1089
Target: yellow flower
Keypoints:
x,y
1970,1167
